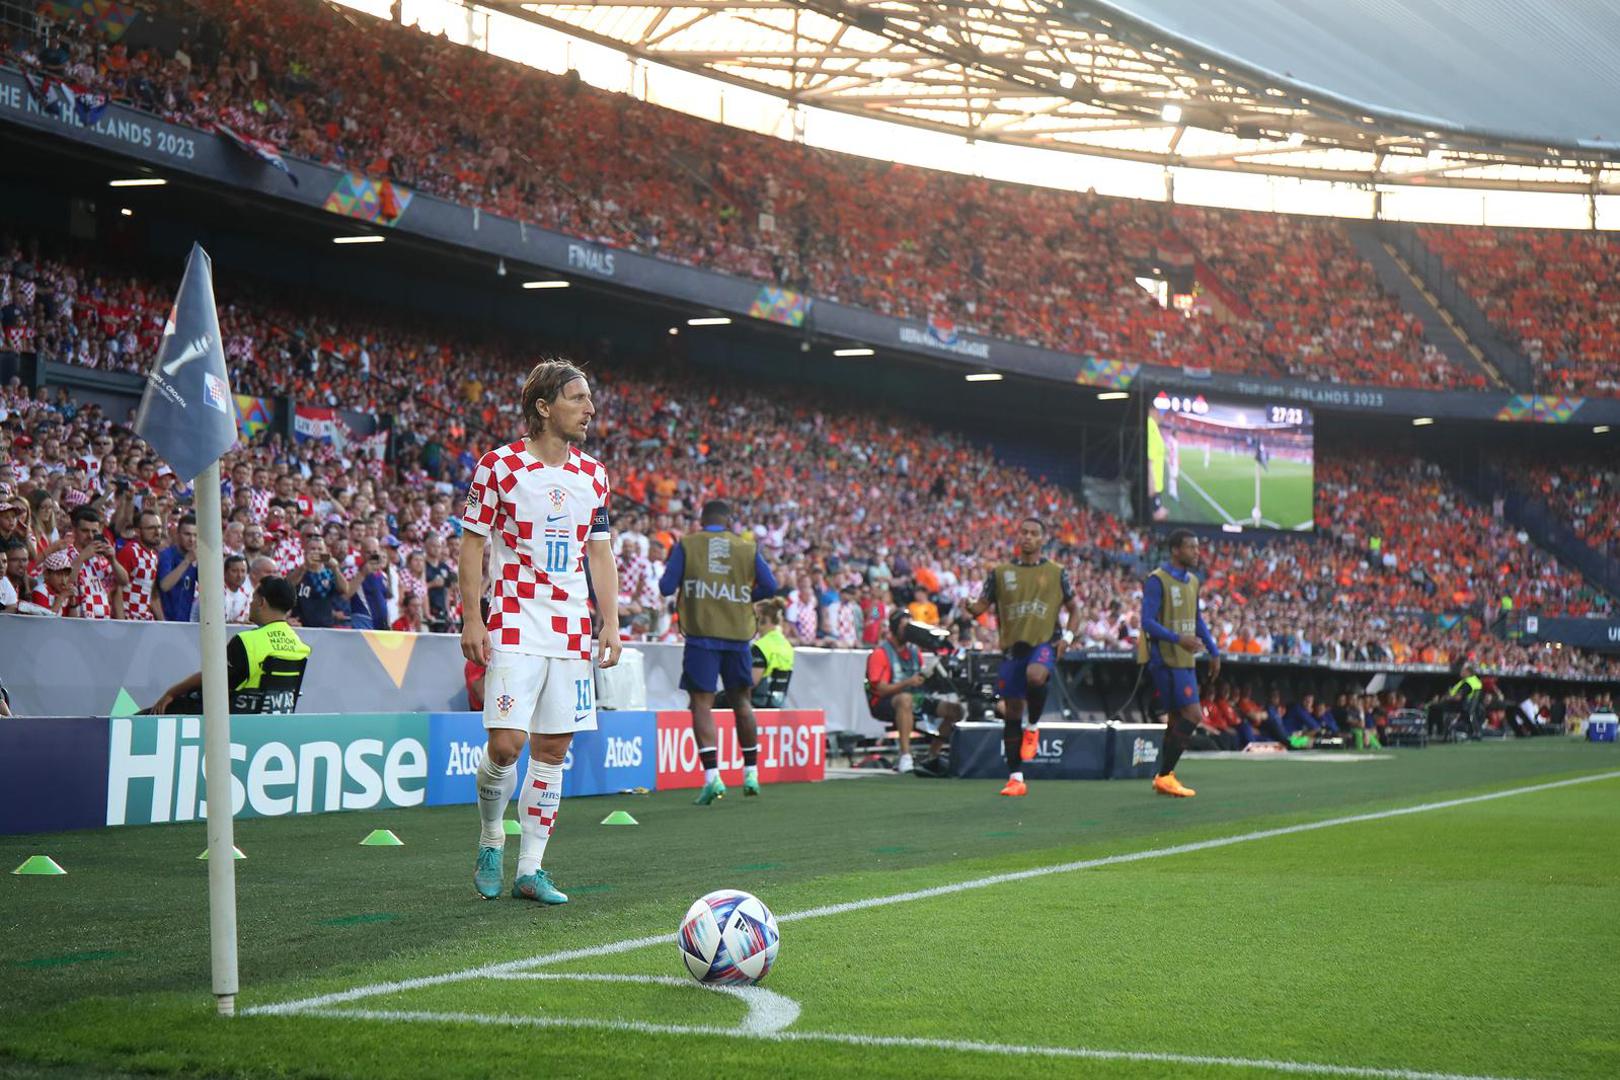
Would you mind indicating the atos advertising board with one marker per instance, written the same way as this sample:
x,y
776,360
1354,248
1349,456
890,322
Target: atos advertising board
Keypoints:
x,y
617,756
792,746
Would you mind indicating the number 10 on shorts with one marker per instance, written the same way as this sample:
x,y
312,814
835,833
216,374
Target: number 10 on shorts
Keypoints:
x,y
582,695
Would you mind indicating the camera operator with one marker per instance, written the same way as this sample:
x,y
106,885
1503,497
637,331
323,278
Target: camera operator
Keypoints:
x,y
894,680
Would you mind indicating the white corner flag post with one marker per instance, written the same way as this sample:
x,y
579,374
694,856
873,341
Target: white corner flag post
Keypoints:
x,y
216,741
187,416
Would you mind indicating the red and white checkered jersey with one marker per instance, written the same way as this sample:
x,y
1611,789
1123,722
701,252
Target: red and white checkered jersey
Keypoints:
x,y
288,553
538,518
96,583
141,563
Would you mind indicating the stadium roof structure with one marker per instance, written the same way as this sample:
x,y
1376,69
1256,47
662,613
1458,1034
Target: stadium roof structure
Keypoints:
x,y
1498,94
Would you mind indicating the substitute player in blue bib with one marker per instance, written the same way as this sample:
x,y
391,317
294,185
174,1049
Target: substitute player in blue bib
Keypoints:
x,y
1174,629
716,576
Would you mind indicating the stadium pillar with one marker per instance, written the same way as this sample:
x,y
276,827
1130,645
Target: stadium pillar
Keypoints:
x,y
217,743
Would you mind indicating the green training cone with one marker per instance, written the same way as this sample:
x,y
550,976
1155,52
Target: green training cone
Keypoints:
x,y
619,817
382,838
512,827
42,865
236,853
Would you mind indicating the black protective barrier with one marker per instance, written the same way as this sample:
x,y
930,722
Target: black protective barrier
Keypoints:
x,y
1066,752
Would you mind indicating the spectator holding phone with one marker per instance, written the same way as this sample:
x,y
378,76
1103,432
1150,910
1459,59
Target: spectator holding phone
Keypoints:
x,y
323,591
177,572
99,580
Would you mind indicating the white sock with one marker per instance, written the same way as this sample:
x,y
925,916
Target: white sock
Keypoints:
x,y
710,775
905,762
537,813
1019,776
495,786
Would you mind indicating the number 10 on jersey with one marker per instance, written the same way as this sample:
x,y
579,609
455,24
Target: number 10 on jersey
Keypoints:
x,y
557,556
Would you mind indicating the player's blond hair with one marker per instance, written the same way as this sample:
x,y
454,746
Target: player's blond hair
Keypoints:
x,y
544,383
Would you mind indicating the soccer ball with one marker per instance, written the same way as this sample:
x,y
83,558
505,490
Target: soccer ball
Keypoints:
x,y
729,936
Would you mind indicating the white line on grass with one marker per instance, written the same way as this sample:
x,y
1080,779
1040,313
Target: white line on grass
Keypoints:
x,y
631,944
1219,509
768,1011
896,1041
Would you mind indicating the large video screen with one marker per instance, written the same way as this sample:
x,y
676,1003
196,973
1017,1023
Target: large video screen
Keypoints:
x,y
1223,462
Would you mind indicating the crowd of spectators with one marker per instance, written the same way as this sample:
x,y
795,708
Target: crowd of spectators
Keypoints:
x,y
1236,715
857,510
1315,309
1586,496
1047,267
1555,294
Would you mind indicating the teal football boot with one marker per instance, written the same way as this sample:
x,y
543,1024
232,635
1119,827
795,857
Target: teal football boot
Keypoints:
x,y
487,878
538,886
714,789
750,785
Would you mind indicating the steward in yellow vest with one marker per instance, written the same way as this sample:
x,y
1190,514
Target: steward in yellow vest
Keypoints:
x,y
715,576
264,666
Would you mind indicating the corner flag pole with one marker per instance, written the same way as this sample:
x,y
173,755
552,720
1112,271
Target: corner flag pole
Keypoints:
x,y
186,415
1257,492
217,743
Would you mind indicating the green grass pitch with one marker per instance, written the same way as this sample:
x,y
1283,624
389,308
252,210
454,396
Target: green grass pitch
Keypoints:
x,y
1223,493
1474,939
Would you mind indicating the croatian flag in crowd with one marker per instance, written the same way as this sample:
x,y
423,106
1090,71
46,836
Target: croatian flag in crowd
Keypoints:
x,y
62,99
259,148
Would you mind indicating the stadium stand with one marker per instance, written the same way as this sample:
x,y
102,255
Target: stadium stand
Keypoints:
x,y
1049,268
1406,567
1554,294
1319,312
1585,496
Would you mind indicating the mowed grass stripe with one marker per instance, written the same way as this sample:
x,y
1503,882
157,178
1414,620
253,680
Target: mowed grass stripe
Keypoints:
x,y
899,1042
631,944
1329,925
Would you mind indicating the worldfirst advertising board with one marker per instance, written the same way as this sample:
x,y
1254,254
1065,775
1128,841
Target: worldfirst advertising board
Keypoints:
x,y
791,747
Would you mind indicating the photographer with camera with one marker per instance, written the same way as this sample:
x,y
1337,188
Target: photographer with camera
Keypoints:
x,y
894,683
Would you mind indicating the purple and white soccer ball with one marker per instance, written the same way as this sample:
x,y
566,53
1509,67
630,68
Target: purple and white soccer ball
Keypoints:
x,y
729,936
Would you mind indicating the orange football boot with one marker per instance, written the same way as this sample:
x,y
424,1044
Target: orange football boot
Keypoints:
x,y
1030,746
1015,787
1169,785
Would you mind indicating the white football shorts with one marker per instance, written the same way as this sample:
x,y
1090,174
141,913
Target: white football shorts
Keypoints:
x,y
543,695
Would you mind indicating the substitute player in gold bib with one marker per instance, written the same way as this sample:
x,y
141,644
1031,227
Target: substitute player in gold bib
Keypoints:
x,y
1173,628
716,576
1027,593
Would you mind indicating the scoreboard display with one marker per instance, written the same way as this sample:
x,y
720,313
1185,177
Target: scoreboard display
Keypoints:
x,y
1237,464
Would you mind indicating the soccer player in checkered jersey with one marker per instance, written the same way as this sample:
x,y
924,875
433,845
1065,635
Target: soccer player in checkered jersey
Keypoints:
x,y
543,506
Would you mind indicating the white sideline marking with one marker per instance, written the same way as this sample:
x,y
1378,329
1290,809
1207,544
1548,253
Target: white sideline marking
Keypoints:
x,y
592,951
1307,1068
768,1011
1219,509
1304,759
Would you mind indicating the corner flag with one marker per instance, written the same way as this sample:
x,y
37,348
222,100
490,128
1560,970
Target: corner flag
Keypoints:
x,y
186,416
186,412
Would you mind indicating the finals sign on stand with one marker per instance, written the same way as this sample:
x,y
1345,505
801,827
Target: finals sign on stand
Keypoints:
x,y
187,412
